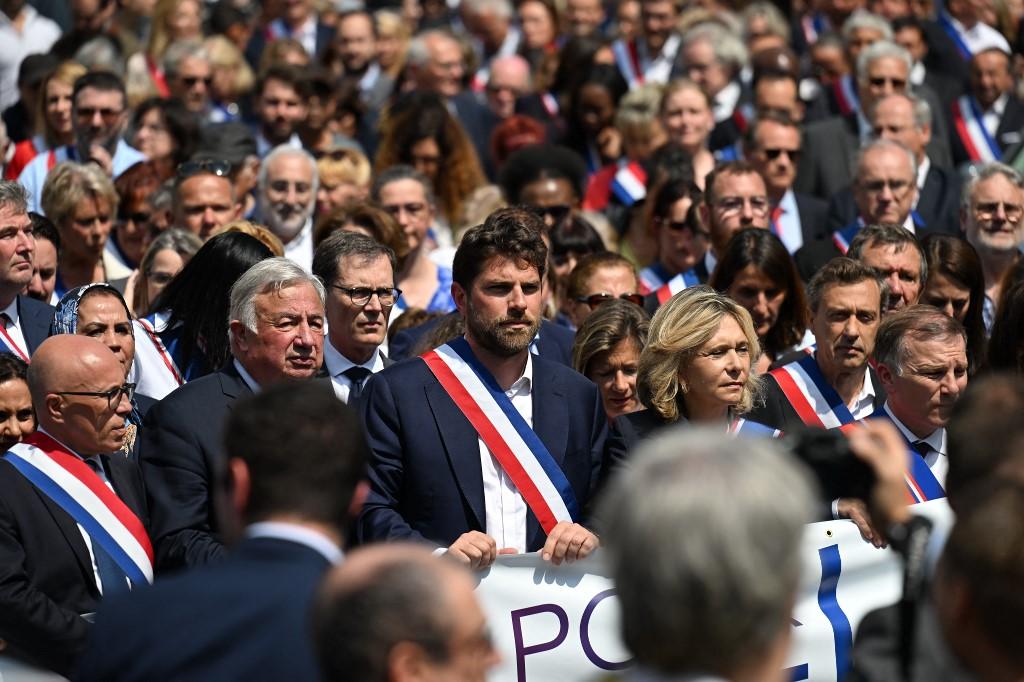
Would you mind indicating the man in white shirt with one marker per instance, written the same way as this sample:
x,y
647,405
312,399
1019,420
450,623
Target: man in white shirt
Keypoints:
x,y
359,274
23,31
649,58
921,360
286,192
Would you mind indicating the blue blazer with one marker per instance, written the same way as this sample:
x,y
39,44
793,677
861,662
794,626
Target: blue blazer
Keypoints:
x,y
35,318
425,476
244,618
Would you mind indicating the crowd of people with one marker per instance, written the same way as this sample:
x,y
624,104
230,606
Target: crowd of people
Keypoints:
x,y
380,291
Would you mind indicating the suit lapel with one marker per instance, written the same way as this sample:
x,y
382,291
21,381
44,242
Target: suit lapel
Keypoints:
x,y
461,444
69,529
232,383
31,328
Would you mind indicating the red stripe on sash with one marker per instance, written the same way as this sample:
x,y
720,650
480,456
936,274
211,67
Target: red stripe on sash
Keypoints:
x,y
797,398
492,439
11,344
960,122
164,355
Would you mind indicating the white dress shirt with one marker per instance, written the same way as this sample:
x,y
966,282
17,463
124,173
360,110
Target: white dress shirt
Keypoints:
x,y
864,404
300,249
280,530
337,364
12,329
725,101
994,114
937,458
505,509
37,35
790,228
979,37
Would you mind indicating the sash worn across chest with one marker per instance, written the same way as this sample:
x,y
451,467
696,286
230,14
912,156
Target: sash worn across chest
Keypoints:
x,y
162,350
79,491
815,401
970,127
745,427
519,451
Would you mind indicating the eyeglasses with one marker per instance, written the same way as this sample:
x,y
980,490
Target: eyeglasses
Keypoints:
x,y
216,167
360,296
772,154
192,81
557,213
736,204
897,83
113,396
897,187
139,218
595,300
989,209
413,209
108,115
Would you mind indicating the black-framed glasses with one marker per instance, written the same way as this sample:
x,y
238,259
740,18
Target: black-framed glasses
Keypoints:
x,y
595,300
192,81
138,217
113,396
107,114
773,153
360,296
217,167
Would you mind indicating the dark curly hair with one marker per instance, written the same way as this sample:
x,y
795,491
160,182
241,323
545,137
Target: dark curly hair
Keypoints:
x,y
513,233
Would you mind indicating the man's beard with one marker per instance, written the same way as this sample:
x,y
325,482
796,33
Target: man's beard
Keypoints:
x,y
498,339
285,226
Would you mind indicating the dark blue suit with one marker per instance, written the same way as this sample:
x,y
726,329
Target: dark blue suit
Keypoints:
x,y
34,318
425,475
243,619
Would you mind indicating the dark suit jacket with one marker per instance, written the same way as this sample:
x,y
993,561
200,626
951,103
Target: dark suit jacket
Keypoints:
x,y
555,342
242,619
181,456
258,42
778,413
46,575
479,122
1008,134
627,431
938,204
812,216
425,477
35,318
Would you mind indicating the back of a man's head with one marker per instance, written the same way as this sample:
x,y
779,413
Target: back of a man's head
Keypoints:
x,y
392,608
304,451
717,597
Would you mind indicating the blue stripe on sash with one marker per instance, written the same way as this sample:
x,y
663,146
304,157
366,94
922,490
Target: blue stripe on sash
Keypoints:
x,y
839,408
97,533
924,477
529,436
976,113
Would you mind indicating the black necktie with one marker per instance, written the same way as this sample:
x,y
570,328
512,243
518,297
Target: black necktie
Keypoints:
x,y
112,576
922,448
358,376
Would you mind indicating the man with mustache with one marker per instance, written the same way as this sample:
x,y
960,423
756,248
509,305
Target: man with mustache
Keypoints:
x,y
480,447
288,183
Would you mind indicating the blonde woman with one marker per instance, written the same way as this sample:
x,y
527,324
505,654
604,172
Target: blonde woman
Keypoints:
x,y
173,20
688,120
82,202
53,117
697,367
233,78
344,177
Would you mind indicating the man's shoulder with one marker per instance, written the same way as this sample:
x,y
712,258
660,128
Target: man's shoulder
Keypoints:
x,y
199,394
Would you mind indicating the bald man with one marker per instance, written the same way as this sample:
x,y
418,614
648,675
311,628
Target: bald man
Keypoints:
x,y
72,517
427,622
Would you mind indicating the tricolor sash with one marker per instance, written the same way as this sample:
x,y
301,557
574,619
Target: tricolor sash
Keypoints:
x,y
629,184
844,237
517,448
745,427
684,280
161,350
628,59
8,344
846,95
958,40
156,74
970,127
78,490
813,25
815,401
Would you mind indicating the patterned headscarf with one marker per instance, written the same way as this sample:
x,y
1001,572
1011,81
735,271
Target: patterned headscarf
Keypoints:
x,y
65,321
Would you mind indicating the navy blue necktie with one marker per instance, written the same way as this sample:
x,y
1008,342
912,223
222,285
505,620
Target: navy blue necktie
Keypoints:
x,y
358,376
922,448
112,577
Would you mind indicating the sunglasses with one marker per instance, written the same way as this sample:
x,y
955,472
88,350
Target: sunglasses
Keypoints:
x,y
192,81
557,213
897,83
772,154
139,218
213,166
595,300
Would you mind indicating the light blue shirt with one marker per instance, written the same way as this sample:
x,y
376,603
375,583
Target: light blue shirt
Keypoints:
x,y
33,177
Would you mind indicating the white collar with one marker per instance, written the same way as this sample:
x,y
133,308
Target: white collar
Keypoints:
x,y
282,530
936,440
999,106
337,363
788,202
726,101
12,312
246,377
524,384
370,77
922,175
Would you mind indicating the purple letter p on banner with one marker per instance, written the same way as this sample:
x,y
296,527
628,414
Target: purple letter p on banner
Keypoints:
x,y
523,651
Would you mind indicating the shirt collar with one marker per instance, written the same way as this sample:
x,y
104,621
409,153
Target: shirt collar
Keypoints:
x,y
246,377
922,174
12,311
726,100
999,106
302,535
524,384
788,202
936,440
337,363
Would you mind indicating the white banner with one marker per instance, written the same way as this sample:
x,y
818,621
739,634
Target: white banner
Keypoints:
x,y
562,623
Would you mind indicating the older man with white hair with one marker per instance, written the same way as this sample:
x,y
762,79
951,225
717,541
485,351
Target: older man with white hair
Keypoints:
x,y
726,494
287,187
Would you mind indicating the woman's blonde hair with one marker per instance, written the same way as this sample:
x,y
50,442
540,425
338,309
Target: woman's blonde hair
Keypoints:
x,y
159,36
224,54
258,232
70,183
347,166
65,74
679,329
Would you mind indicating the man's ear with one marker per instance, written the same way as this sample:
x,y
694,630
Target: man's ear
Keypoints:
x,y
885,375
239,334
408,662
52,408
461,296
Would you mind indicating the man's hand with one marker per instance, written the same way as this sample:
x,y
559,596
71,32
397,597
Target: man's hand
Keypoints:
x,y
880,446
855,510
477,550
101,157
569,542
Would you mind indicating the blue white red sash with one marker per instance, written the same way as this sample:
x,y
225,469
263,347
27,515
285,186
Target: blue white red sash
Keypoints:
x,y
742,115
161,349
78,490
745,427
813,25
684,280
630,63
844,237
8,344
513,443
958,40
845,91
970,126
629,184
815,401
